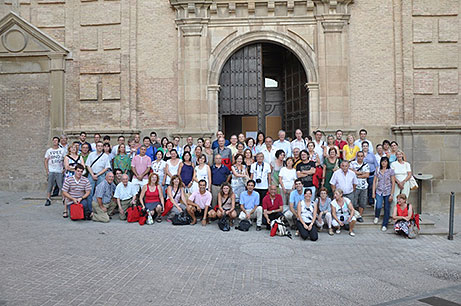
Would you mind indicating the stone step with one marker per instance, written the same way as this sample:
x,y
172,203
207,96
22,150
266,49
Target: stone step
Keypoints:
x,y
425,224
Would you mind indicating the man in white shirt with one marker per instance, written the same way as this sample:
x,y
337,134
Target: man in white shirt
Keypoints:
x,y
363,137
344,179
283,144
362,171
125,194
54,168
233,144
97,138
260,172
63,144
190,143
97,164
176,146
299,141
319,144
268,150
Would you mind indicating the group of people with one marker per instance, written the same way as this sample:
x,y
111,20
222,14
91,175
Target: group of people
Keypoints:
x,y
313,183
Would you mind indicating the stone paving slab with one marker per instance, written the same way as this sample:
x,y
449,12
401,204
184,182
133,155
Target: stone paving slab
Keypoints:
x,y
49,260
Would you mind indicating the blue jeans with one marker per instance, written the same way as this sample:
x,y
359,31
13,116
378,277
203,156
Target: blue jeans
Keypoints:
x,y
371,201
93,184
379,205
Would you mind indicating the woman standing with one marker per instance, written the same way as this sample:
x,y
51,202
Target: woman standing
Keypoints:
x,y
248,159
240,148
403,215
287,177
313,156
383,189
239,176
250,142
72,159
153,200
208,152
202,172
163,144
122,161
158,167
276,165
350,149
330,145
167,152
226,203
172,166
342,212
186,170
108,150
196,155
402,170
260,145
330,165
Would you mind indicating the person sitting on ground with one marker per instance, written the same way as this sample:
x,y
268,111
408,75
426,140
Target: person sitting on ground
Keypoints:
x,y
324,215
176,195
199,204
153,201
307,212
76,189
104,202
125,195
403,215
226,203
249,205
54,158
296,196
342,212
272,206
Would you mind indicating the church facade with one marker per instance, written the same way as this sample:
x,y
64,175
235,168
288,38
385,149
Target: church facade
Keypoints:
x,y
190,67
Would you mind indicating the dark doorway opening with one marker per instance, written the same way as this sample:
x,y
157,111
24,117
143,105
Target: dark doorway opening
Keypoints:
x,y
263,88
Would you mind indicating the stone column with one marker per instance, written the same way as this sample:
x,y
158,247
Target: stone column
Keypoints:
x,y
57,68
314,105
213,92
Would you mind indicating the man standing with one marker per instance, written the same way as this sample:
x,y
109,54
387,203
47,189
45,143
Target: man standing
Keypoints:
x,y
215,143
85,152
176,146
340,143
299,142
296,196
153,140
190,143
97,138
140,166
150,150
260,172
125,194
82,140
268,150
249,205
97,164
344,179
63,144
362,171
319,147
283,144
199,202
54,169
76,189
363,137
305,171
104,204
272,206
233,144
226,153
219,175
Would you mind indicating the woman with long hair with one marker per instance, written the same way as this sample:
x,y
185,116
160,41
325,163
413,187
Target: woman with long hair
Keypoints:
x,y
151,197
239,176
226,203
383,190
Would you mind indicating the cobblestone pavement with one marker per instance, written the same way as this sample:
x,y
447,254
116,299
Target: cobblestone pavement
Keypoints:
x,y
48,260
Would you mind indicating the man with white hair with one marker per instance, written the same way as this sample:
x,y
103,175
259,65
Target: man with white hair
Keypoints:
x,y
125,195
299,141
283,144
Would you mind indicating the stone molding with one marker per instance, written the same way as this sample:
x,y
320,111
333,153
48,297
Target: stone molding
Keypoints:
x,y
426,129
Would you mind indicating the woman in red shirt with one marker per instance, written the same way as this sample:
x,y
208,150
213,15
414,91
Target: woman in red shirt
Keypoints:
x,y
403,216
151,197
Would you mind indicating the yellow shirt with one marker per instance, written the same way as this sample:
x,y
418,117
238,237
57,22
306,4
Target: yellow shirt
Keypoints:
x,y
350,153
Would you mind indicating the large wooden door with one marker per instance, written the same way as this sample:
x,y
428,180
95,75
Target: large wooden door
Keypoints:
x,y
241,82
296,113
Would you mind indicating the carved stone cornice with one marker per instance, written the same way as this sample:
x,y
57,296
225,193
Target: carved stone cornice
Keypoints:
x,y
333,14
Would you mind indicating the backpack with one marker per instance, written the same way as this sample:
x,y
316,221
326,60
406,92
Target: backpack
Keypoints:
x,y
223,224
280,226
133,213
244,226
182,218
76,212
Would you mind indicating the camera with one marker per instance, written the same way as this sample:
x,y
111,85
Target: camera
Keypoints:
x,y
341,218
258,180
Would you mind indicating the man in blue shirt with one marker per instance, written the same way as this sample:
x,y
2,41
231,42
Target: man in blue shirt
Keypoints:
x,y
249,205
296,196
215,144
150,151
219,175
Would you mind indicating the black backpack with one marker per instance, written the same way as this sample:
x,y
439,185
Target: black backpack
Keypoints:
x,y
244,225
223,224
182,218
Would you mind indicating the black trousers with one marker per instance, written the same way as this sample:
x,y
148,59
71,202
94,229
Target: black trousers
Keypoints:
x,y
272,216
262,194
304,233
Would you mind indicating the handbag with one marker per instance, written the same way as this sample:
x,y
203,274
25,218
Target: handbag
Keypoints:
x,y
133,213
142,218
169,205
223,224
76,212
413,183
182,218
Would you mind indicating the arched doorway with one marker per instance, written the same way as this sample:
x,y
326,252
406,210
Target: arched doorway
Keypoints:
x,y
262,87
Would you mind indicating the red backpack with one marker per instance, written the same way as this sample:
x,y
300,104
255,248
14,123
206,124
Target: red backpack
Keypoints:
x,y
317,177
76,211
133,213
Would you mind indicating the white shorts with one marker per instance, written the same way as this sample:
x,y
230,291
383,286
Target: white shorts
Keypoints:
x,y
139,183
336,224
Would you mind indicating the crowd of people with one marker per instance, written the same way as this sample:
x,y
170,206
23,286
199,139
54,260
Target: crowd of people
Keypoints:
x,y
314,182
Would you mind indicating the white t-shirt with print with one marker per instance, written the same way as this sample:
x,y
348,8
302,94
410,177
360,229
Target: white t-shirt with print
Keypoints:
x,y
363,183
55,159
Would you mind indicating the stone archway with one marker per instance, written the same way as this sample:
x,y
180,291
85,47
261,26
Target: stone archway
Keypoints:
x,y
224,50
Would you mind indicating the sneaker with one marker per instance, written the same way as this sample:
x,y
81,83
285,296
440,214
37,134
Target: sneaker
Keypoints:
x,y
352,234
338,231
330,231
48,202
297,233
159,220
360,219
258,228
375,221
320,229
384,229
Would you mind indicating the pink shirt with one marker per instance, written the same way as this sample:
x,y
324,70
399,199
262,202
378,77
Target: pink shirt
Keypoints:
x,y
141,164
201,200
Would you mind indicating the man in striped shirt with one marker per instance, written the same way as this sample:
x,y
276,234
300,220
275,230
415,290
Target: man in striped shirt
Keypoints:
x,y
76,189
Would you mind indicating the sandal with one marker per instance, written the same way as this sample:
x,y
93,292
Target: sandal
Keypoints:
x,y
65,215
